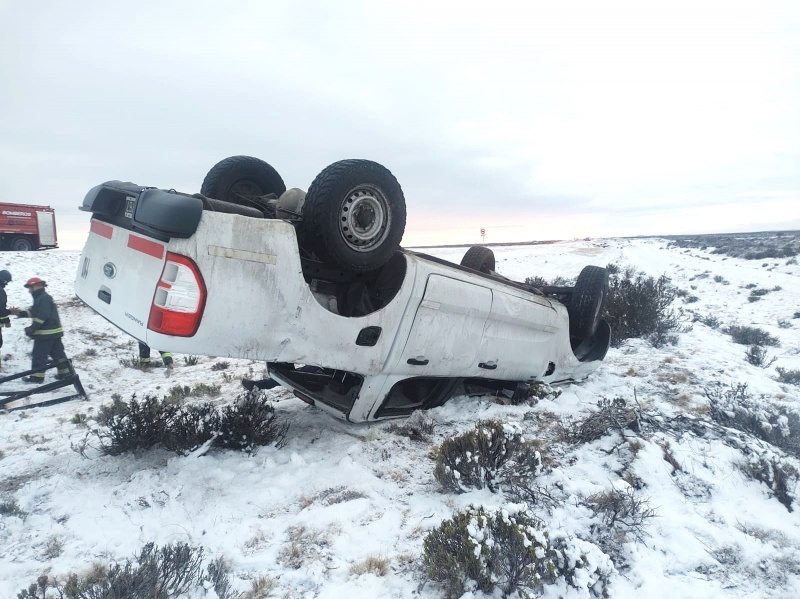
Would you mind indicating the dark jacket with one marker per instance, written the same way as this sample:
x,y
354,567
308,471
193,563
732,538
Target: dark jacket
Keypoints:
x,y
43,313
4,319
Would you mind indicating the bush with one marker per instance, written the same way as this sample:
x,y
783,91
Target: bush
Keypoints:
x,y
789,377
191,427
735,407
11,508
492,456
611,414
134,426
133,362
745,335
710,321
536,281
508,551
250,422
622,511
180,392
416,427
639,306
757,356
170,571
778,473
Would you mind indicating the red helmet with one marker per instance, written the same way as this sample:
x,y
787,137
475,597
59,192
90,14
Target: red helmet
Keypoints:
x,y
35,281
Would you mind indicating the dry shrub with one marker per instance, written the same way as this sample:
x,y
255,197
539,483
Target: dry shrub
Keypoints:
x,y
780,474
612,414
757,356
639,306
135,425
249,423
746,335
789,377
736,408
417,427
508,551
624,511
138,425
377,565
491,456
156,573
260,588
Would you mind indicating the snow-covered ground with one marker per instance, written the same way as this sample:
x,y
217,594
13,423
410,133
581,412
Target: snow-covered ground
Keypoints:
x,y
340,493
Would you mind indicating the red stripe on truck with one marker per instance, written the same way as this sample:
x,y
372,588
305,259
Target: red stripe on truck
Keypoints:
x,y
151,248
101,229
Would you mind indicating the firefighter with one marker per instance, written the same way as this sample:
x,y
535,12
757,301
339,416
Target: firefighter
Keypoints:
x,y
144,356
45,330
5,321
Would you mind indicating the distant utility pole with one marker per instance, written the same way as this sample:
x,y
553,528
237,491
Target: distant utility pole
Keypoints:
x,y
483,234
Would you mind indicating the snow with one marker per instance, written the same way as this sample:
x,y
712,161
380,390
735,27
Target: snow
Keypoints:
x,y
347,492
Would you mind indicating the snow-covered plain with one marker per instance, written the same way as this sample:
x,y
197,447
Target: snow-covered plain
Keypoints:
x,y
341,493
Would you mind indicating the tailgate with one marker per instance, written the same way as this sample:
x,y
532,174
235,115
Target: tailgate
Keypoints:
x,y
117,275
123,260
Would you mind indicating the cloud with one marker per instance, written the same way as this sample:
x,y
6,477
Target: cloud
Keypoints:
x,y
513,110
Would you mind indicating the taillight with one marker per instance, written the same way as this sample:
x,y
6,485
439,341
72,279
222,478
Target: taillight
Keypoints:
x,y
179,300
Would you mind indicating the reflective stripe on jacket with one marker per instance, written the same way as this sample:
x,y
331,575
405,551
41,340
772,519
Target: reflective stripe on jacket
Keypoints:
x,y
44,316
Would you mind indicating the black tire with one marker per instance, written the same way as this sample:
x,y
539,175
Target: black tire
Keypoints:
x,y
588,299
354,215
21,244
479,258
239,178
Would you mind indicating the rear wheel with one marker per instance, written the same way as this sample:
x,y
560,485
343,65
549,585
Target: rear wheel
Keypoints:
x,y
21,244
240,179
354,215
588,299
479,258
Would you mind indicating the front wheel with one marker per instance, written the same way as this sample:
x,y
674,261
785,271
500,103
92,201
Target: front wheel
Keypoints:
x,y
585,307
354,215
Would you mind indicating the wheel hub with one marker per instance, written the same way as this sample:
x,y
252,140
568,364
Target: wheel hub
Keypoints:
x,y
364,218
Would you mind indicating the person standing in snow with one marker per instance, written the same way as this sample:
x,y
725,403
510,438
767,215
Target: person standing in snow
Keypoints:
x,y
5,321
46,331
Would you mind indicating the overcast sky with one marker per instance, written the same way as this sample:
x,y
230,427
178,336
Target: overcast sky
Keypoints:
x,y
534,120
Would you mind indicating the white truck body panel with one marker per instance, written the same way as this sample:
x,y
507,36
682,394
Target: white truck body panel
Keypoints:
x,y
451,322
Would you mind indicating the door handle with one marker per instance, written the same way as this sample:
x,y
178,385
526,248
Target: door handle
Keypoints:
x,y
488,365
417,361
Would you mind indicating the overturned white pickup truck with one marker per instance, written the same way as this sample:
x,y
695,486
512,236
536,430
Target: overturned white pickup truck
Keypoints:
x,y
248,269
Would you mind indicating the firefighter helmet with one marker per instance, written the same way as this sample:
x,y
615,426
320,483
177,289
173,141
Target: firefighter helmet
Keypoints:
x,y
5,277
35,281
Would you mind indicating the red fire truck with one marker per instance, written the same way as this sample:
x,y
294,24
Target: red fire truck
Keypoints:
x,y
24,227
